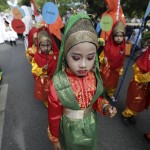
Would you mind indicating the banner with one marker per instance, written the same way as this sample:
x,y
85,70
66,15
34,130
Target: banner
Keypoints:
x,y
33,7
147,11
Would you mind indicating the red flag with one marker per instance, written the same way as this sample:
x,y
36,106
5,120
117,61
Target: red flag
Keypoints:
x,y
34,8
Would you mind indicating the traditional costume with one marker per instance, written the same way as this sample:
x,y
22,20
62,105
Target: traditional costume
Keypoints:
x,y
138,96
112,60
73,101
41,59
10,35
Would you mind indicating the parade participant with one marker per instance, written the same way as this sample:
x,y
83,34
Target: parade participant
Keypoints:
x,y
76,88
112,59
112,10
138,96
44,63
55,29
32,48
10,35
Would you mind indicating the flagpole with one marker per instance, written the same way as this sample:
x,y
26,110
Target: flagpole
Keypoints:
x,y
117,13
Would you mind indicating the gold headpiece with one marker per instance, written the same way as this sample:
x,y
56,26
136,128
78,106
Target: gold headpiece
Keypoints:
x,y
44,34
119,28
81,31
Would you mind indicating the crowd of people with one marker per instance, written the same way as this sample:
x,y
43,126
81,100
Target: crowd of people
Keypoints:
x,y
61,73
75,81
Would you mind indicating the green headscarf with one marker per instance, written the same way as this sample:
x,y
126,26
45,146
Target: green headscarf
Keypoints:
x,y
60,79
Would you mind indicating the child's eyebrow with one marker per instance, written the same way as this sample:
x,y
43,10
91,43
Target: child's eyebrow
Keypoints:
x,y
81,54
92,53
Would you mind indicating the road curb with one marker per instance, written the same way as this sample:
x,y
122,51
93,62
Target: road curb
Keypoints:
x,y
3,99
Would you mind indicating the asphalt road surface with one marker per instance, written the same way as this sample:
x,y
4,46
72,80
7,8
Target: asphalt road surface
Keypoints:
x,y
23,119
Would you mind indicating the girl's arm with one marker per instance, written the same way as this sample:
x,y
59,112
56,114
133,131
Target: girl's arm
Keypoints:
x,y
39,71
55,111
103,107
139,76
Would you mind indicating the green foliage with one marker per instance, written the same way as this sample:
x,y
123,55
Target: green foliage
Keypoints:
x,y
97,7
145,37
3,5
134,8
26,2
131,8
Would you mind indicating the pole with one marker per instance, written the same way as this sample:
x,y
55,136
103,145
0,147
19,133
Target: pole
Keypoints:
x,y
117,13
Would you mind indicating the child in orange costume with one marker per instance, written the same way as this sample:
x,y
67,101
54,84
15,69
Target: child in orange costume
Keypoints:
x,y
44,63
112,59
112,6
31,50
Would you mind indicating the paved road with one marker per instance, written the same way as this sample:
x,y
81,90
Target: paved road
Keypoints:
x,y
25,119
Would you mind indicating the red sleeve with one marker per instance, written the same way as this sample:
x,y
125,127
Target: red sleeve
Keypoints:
x,y
99,104
54,111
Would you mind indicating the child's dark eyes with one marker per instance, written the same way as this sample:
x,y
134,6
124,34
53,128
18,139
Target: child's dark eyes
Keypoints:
x,y
42,45
75,58
90,57
119,36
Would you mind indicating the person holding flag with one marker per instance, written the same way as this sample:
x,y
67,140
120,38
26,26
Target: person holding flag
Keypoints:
x,y
138,96
76,89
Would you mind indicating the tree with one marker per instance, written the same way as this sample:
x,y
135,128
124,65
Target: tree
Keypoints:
x,y
131,8
134,8
26,2
3,5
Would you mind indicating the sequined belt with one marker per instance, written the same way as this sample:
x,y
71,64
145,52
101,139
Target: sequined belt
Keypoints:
x,y
77,114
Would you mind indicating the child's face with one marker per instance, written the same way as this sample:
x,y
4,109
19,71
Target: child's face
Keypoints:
x,y
45,45
118,38
81,58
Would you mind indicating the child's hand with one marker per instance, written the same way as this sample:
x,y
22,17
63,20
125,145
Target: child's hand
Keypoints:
x,y
111,111
30,58
45,68
57,146
105,61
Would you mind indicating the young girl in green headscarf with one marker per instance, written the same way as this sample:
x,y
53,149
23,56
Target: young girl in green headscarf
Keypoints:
x,y
76,89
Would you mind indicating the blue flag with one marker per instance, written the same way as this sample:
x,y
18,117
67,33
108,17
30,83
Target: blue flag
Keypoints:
x,y
147,11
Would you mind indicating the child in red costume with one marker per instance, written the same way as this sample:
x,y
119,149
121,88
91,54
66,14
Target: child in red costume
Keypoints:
x,y
138,96
112,59
44,63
